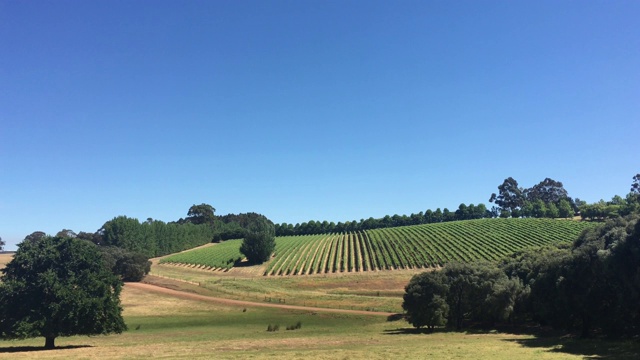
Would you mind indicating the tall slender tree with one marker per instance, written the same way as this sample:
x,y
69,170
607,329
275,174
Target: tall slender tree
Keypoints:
x,y
510,196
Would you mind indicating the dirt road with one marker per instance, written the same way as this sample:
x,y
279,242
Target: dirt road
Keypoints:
x,y
190,296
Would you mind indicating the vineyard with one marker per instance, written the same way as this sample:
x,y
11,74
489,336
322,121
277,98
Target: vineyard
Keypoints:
x,y
220,256
407,247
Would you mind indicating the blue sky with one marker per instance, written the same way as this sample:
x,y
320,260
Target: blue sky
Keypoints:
x,y
308,110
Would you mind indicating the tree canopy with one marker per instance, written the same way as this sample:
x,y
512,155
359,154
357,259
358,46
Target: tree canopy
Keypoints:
x,y
58,287
201,214
635,186
548,199
259,241
510,196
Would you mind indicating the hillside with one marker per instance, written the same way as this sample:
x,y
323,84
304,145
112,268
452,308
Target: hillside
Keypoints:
x,y
406,247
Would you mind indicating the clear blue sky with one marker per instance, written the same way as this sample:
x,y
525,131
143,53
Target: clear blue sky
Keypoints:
x,y
308,110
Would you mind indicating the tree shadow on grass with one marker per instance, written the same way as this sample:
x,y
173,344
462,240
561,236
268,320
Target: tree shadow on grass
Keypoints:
x,y
545,338
14,349
410,331
588,348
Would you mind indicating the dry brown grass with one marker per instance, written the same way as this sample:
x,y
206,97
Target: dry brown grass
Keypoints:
x,y
4,259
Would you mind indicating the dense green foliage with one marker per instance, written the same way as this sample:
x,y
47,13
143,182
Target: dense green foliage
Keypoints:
x,y
592,284
259,242
425,300
421,246
617,206
460,293
546,199
129,266
153,238
58,287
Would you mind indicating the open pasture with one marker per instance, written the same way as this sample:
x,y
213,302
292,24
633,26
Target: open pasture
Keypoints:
x,y
162,326
406,247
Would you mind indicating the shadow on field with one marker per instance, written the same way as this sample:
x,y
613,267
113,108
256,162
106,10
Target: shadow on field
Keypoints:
x,y
545,338
408,331
588,348
14,349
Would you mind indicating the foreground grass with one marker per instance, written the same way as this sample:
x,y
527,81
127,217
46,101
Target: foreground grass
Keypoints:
x,y
162,326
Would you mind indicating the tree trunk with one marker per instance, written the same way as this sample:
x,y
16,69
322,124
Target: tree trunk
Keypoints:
x,y
49,343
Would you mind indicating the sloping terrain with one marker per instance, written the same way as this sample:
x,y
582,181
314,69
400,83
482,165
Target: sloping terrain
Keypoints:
x,y
406,247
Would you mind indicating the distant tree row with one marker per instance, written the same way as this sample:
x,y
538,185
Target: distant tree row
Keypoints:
x,y
464,212
547,199
126,243
225,227
152,238
617,206
592,285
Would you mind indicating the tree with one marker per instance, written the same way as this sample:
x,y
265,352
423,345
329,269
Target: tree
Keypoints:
x,y
425,300
66,233
201,214
635,186
509,196
552,211
259,241
2,243
129,266
548,190
34,236
478,292
539,209
58,287
564,209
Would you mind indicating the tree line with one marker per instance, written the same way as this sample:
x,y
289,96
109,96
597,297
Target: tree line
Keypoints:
x,y
592,284
464,212
547,199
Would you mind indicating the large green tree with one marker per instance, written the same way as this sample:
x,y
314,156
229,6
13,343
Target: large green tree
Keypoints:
x,y
58,287
424,300
510,196
548,190
259,241
201,214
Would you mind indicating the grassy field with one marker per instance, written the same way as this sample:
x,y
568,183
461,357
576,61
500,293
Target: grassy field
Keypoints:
x,y
167,327
374,291
405,247
164,326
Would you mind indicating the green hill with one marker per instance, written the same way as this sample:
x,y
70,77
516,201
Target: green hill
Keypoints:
x,y
406,247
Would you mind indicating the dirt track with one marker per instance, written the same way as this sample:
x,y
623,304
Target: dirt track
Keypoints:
x,y
190,296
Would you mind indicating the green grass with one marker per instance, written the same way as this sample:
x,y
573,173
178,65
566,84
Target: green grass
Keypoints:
x,y
162,326
407,247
